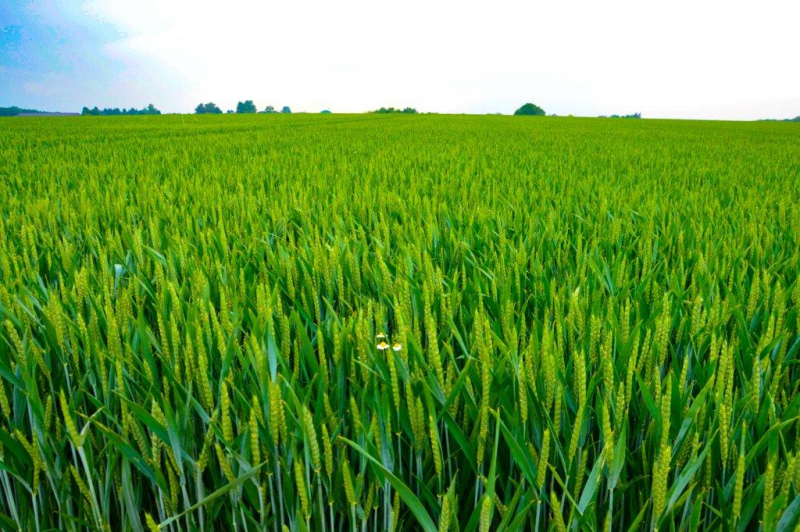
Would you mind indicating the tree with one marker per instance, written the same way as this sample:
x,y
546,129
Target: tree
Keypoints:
x,y
325,112
269,109
392,110
246,107
529,109
286,110
14,111
634,115
209,108
116,111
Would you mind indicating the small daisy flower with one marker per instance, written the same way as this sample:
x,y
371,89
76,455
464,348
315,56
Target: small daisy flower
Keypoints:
x,y
397,347
382,346
380,336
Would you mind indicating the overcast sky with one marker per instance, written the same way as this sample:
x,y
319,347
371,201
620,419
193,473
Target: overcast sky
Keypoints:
x,y
718,59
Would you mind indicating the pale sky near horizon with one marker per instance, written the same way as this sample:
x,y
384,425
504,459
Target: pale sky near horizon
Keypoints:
x,y
710,59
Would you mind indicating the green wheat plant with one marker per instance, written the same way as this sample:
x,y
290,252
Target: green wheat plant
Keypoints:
x,y
433,323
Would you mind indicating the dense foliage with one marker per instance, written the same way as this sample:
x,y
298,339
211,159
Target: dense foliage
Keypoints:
x,y
634,115
392,110
209,108
246,106
116,111
795,119
14,111
529,109
596,324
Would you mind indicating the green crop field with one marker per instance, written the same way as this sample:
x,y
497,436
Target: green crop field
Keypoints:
x,y
371,322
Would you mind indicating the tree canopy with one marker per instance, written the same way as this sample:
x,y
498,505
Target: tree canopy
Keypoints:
x,y
286,110
246,107
116,111
14,111
391,110
634,115
529,109
209,108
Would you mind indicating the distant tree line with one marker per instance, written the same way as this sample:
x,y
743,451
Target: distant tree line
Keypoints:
x,y
795,119
207,109
149,110
390,110
245,107
634,115
14,111
268,109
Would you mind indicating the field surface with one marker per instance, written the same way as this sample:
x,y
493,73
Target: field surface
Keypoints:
x,y
360,322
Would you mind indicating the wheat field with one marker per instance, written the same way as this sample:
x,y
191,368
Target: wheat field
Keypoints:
x,y
363,322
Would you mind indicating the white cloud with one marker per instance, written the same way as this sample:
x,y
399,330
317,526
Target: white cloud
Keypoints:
x,y
711,59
